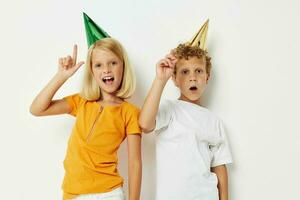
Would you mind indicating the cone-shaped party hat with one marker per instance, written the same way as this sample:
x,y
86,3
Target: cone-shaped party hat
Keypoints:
x,y
93,31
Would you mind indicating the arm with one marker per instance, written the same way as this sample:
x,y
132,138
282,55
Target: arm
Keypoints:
x,y
164,70
134,165
43,104
221,173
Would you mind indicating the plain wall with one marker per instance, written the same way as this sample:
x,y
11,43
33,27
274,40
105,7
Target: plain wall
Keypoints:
x,y
254,86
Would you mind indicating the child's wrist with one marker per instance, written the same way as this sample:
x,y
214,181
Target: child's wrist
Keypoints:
x,y
160,80
60,77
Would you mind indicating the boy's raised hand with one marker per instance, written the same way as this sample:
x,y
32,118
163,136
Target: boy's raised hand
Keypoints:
x,y
165,67
67,65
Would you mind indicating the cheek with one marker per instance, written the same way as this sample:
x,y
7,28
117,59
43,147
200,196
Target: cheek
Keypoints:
x,y
184,80
119,71
203,78
96,74
96,71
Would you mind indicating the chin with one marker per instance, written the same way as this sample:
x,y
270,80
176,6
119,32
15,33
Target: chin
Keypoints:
x,y
193,97
108,90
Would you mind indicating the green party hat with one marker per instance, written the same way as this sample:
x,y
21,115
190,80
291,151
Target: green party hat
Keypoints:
x,y
93,31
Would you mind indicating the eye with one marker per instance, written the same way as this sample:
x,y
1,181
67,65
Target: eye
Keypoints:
x,y
97,65
113,63
185,71
199,71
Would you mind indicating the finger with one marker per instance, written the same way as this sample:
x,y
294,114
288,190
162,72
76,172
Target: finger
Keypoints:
x,y
169,62
165,63
174,62
74,54
65,62
172,52
173,65
79,65
161,62
171,57
69,61
60,61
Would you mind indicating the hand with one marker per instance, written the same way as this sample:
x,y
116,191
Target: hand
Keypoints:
x,y
67,65
165,67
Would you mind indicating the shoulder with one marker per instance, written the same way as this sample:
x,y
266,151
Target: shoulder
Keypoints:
x,y
130,106
75,100
129,109
167,104
75,97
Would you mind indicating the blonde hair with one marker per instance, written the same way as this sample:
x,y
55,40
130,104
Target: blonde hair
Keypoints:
x,y
91,90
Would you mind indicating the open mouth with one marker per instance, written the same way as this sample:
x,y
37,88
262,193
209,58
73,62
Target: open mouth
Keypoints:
x,y
108,79
193,88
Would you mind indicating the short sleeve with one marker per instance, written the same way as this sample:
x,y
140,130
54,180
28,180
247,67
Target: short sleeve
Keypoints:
x,y
132,122
164,115
221,154
74,101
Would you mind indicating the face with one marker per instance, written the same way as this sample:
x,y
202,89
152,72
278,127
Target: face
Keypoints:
x,y
107,70
191,78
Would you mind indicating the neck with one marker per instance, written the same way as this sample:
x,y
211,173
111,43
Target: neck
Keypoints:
x,y
109,97
184,98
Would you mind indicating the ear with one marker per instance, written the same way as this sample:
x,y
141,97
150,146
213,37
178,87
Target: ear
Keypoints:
x,y
174,80
207,78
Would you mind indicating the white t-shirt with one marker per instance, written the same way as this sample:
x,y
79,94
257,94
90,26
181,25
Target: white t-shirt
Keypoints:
x,y
189,141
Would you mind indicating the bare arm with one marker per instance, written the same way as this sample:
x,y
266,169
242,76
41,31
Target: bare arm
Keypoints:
x,y
43,104
134,166
164,70
151,104
221,172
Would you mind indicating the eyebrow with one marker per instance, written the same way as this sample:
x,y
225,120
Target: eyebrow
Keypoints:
x,y
184,69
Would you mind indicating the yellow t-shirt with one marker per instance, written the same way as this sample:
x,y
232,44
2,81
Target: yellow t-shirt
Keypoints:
x,y
91,159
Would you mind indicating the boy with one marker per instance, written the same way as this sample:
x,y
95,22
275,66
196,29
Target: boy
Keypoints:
x,y
191,146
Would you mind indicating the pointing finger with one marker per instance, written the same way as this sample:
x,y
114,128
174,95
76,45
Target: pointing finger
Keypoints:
x,y
74,54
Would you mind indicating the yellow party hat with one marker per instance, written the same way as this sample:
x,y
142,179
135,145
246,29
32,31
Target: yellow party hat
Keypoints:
x,y
200,38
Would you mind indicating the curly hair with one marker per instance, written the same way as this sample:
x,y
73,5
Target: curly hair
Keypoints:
x,y
186,51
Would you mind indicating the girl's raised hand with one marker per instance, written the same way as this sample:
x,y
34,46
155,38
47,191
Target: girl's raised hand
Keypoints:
x,y
67,66
165,67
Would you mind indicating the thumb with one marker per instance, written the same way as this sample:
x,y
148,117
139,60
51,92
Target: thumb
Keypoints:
x,y
79,65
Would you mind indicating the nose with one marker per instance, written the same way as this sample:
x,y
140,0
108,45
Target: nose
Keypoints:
x,y
192,77
106,69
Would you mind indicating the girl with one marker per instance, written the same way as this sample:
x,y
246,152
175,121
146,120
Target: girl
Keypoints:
x,y
103,120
